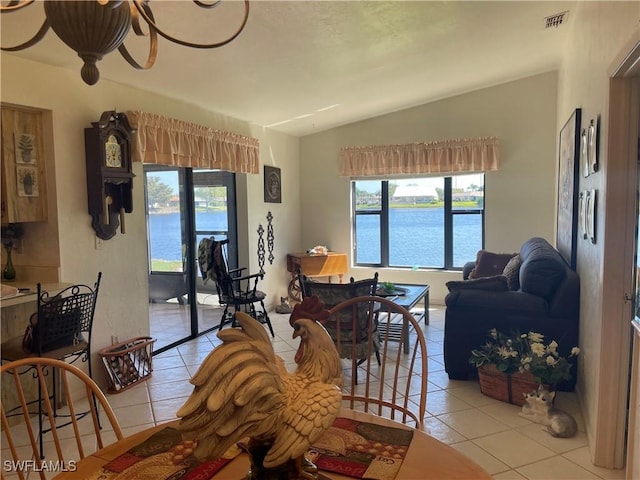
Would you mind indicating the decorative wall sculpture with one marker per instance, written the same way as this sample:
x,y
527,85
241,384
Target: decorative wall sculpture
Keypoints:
x,y
270,237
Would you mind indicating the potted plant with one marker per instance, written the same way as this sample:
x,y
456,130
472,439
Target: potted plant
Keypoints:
x,y
388,287
25,144
512,364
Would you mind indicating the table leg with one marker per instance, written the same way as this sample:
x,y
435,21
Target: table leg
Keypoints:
x,y
426,308
406,335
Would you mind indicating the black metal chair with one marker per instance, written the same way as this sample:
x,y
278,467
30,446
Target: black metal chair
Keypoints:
x,y
60,329
234,289
352,337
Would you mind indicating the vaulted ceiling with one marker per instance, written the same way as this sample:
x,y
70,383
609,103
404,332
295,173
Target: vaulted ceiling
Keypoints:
x,y
305,66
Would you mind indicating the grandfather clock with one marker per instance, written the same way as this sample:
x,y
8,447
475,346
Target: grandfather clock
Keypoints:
x,y
109,175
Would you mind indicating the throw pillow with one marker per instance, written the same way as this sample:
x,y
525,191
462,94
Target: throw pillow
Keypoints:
x,y
512,272
496,283
490,264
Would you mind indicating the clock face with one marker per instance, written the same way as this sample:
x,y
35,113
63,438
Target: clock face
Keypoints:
x,y
113,152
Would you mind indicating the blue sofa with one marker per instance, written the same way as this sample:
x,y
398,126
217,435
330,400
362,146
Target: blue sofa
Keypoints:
x,y
547,301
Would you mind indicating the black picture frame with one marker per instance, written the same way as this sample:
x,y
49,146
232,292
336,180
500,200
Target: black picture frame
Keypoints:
x,y
568,176
272,185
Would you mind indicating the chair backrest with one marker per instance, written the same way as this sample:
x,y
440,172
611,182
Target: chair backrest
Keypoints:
x,y
81,394
213,264
62,319
387,388
331,294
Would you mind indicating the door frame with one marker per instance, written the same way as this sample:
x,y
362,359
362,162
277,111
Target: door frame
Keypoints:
x,y
190,179
620,213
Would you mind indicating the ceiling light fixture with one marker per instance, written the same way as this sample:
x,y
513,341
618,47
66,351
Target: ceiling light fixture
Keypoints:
x,y
94,28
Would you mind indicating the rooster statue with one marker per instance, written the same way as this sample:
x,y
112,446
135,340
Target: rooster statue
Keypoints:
x,y
242,389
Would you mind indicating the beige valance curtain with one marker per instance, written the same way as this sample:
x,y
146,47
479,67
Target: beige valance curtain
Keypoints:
x,y
448,156
167,141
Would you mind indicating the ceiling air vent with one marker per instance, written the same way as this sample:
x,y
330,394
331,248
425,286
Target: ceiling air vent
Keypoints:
x,y
555,20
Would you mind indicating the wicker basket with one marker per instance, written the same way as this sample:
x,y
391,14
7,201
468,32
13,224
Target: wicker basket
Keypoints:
x,y
127,363
507,388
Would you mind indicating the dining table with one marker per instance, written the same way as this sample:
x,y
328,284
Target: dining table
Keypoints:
x,y
425,458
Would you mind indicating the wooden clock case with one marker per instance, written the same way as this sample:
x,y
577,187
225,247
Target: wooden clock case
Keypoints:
x,y
109,182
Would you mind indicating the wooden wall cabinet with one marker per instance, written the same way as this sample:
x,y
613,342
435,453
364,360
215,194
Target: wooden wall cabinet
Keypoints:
x,y
23,165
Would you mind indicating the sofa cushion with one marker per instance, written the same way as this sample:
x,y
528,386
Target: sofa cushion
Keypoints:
x,y
487,307
542,268
512,272
490,264
497,283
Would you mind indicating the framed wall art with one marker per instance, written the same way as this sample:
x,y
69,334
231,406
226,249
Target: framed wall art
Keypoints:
x,y
26,151
568,171
272,185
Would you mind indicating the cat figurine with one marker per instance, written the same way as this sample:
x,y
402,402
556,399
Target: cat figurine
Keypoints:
x,y
539,408
285,306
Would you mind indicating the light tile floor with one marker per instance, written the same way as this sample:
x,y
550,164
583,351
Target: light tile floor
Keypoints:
x,y
486,430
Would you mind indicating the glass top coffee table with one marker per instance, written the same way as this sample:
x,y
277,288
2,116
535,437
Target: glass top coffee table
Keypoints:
x,y
408,296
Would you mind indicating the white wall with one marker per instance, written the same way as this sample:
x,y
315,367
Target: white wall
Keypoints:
x,y
599,31
519,198
122,308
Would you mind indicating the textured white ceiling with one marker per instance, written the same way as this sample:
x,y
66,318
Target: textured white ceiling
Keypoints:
x,y
305,66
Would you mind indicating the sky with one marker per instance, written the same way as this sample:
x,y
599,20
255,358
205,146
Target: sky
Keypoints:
x,y
459,181
170,178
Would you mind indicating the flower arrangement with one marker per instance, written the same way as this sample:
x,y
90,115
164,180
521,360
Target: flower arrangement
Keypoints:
x,y
524,352
318,250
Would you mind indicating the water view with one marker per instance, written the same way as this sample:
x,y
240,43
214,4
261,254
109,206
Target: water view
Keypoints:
x,y
416,240
165,232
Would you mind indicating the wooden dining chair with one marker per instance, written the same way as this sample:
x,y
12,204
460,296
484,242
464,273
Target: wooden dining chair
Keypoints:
x,y
352,335
80,393
388,387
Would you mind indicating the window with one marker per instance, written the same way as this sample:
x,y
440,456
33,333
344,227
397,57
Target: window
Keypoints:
x,y
427,222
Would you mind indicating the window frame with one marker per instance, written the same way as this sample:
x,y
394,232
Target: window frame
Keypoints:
x,y
383,213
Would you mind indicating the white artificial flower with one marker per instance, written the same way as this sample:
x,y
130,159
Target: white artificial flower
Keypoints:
x,y
504,352
535,337
575,351
538,349
553,346
551,361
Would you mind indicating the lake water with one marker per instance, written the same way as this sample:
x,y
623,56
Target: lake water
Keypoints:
x,y
416,236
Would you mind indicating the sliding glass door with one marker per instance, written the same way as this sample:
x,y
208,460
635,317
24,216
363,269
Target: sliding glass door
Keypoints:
x,y
214,206
184,206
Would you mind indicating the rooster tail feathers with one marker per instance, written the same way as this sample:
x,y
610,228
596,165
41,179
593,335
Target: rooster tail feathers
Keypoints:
x,y
248,381
224,358
253,328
